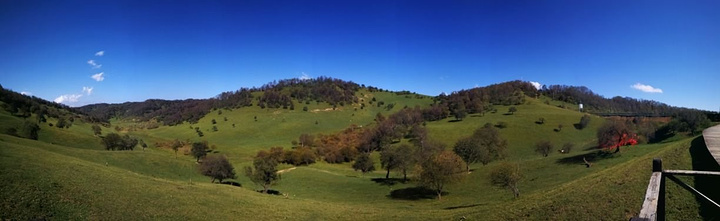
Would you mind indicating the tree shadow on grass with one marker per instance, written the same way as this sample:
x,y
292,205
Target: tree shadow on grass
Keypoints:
x,y
389,181
453,121
464,206
708,185
231,183
413,193
590,157
592,148
271,192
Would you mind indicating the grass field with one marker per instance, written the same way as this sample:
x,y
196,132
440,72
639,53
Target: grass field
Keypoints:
x,y
68,175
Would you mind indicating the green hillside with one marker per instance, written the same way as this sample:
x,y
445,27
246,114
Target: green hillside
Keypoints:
x,y
67,174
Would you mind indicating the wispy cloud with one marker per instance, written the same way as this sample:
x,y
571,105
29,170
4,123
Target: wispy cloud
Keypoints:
x,y
94,64
87,90
26,93
646,88
68,98
536,84
100,53
98,76
305,76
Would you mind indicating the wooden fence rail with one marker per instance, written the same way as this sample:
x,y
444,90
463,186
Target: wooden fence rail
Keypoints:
x,y
653,207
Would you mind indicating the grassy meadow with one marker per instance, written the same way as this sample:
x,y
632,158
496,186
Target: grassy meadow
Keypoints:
x,y
68,175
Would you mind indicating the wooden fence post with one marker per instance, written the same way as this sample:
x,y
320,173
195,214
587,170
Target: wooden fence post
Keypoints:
x,y
657,167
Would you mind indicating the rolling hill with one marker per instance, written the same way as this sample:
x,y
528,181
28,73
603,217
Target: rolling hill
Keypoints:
x,y
67,174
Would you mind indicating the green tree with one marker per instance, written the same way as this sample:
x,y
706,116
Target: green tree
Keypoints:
x,y
399,157
114,141
470,150
512,110
111,141
506,175
199,150
264,170
460,112
492,145
544,148
217,167
364,163
405,160
694,120
97,131
29,130
61,123
442,169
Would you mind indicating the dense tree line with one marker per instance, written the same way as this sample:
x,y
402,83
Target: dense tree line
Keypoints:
x,y
277,94
25,106
595,103
478,100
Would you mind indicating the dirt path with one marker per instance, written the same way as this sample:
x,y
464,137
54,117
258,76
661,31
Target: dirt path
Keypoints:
x,y
286,170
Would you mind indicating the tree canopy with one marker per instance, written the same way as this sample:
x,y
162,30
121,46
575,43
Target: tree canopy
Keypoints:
x,y
217,167
442,169
506,175
364,163
114,141
199,150
264,170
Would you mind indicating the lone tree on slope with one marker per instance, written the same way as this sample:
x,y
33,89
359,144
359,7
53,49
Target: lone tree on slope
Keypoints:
x,y
217,167
264,170
512,110
364,163
544,148
507,175
199,150
442,169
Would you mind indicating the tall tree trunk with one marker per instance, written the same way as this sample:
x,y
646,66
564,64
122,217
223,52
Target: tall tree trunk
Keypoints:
x,y
467,166
404,175
387,175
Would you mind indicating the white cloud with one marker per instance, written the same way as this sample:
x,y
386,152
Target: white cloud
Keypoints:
x,y
646,88
305,76
94,64
87,90
536,84
68,98
98,76
26,93
100,53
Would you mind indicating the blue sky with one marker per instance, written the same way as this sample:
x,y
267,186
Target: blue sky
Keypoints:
x,y
198,49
